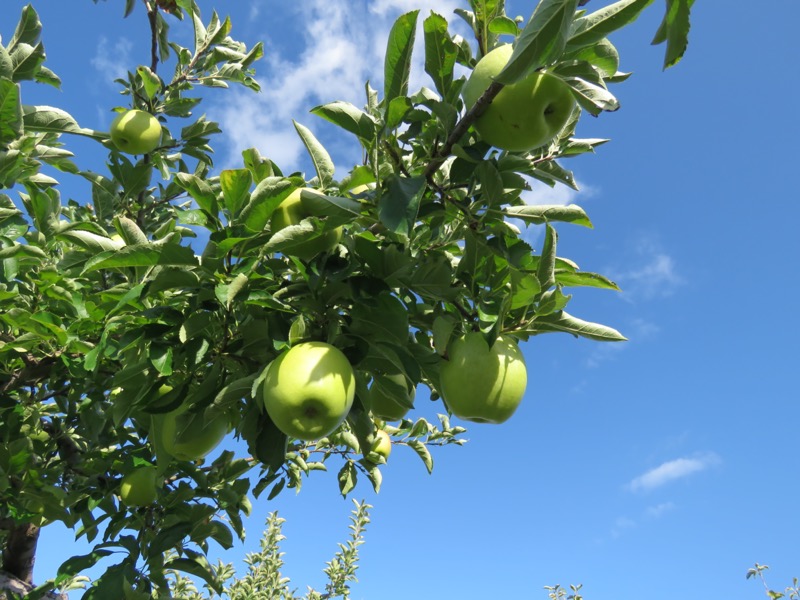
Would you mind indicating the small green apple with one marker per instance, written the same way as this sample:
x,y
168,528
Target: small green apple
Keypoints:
x,y
382,445
309,389
524,115
187,436
383,403
483,384
136,132
294,209
138,488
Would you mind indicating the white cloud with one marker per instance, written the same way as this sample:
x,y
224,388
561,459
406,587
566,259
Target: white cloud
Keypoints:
x,y
112,60
337,56
673,470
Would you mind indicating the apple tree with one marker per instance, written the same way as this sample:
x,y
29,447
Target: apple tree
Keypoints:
x,y
138,322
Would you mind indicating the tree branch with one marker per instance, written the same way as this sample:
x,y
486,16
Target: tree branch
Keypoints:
x,y
9,583
462,126
19,553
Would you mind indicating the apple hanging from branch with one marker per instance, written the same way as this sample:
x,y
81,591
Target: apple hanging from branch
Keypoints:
x,y
523,115
482,383
309,389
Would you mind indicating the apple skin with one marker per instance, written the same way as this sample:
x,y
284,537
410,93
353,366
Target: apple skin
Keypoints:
x,y
138,488
524,115
136,132
309,389
382,444
383,405
293,210
483,384
187,436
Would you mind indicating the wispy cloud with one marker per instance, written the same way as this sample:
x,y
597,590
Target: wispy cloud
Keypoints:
x,y
659,510
653,272
672,471
636,330
113,60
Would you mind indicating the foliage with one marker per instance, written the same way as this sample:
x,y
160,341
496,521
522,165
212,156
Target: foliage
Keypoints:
x,y
264,581
792,592
165,288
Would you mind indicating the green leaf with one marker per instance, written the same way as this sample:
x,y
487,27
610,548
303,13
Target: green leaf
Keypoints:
x,y
674,30
10,112
6,65
47,119
397,63
349,118
398,207
150,81
76,564
440,53
260,168
570,278
269,193
547,213
603,56
142,255
197,566
200,191
563,322
28,29
385,318
348,477
592,28
545,272
503,25
541,42
319,156
235,185
396,112
422,451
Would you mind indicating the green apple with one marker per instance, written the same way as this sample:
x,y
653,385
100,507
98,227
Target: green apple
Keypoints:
x,y
524,115
188,436
383,403
294,209
136,132
138,488
483,384
309,389
382,445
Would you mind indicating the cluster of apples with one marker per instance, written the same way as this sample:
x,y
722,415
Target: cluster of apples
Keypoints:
x,y
309,389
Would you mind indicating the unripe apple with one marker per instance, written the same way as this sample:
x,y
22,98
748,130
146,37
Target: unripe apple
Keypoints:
x,y
138,488
294,209
483,384
187,436
524,115
309,389
136,132
383,403
382,444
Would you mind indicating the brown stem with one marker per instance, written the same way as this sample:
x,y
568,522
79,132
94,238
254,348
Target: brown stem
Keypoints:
x,y
462,126
152,16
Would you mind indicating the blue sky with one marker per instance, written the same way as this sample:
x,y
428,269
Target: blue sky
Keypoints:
x,y
661,468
